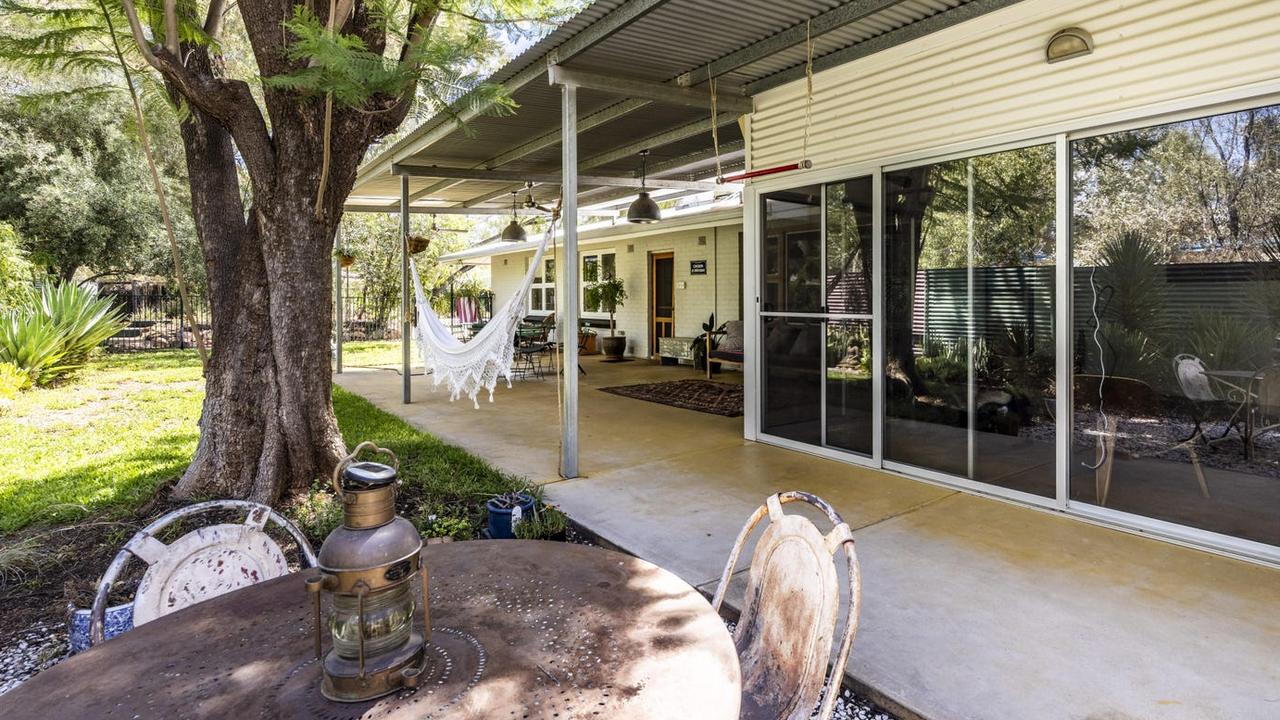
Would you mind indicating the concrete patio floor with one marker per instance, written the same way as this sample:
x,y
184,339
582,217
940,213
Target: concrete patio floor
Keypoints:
x,y
972,607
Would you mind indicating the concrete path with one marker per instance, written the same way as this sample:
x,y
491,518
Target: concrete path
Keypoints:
x,y
972,607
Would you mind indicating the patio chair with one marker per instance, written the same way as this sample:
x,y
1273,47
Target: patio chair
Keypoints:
x,y
531,349
1135,398
1199,392
788,623
728,348
202,564
1266,406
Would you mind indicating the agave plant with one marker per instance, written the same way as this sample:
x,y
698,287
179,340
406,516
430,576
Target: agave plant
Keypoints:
x,y
55,330
83,319
32,342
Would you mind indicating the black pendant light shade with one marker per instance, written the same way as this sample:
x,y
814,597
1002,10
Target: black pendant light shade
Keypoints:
x,y
643,209
513,232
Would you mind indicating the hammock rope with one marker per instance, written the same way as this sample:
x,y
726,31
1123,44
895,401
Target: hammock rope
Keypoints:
x,y
477,364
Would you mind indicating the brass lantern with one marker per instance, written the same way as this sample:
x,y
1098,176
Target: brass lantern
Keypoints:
x,y
367,566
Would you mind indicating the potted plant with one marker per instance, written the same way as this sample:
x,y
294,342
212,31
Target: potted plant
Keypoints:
x,y
587,341
710,333
417,243
508,510
611,294
346,258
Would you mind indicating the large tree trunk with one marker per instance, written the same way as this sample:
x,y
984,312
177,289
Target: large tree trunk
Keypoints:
x,y
267,425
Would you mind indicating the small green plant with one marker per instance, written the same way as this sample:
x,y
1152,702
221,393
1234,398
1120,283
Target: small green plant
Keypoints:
x,y
1226,342
451,526
13,380
546,522
316,513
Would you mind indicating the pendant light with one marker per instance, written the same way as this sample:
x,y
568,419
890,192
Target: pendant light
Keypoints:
x,y
513,232
643,209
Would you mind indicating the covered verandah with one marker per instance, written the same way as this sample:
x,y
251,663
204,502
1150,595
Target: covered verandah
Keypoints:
x,y
972,606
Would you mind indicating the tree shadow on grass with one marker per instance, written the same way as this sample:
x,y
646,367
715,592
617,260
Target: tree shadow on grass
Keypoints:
x,y
119,482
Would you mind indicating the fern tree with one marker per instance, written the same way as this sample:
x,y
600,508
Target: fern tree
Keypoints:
x,y
281,100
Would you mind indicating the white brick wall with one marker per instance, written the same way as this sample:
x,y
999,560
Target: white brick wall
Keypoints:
x,y
717,291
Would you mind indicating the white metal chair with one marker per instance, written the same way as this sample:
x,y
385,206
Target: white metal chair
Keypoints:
x,y
200,565
788,622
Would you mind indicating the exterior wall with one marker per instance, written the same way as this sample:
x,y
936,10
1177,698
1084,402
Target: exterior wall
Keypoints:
x,y
717,291
987,78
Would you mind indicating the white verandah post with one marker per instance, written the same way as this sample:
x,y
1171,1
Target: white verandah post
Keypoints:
x,y
567,332
406,303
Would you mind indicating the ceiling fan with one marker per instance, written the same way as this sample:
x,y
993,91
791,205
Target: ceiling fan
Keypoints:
x,y
530,203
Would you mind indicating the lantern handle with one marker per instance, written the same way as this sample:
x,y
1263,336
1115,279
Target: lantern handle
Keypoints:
x,y
369,444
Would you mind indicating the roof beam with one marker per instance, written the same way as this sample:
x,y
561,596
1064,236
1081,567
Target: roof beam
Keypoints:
x,y
366,207
658,92
907,33
435,171
795,35
429,134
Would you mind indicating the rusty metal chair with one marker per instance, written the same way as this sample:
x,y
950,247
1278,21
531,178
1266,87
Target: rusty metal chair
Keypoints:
x,y
202,564
789,619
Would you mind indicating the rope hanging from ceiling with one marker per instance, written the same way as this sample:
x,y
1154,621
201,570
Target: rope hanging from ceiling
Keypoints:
x,y
804,163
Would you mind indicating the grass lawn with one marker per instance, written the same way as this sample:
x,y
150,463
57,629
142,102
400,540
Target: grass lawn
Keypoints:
x,y
86,463
375,353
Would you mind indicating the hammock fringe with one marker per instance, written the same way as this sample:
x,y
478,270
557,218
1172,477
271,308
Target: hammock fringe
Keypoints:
x,y
468,367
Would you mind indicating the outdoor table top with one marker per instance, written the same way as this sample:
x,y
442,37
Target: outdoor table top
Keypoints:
x,y
520,629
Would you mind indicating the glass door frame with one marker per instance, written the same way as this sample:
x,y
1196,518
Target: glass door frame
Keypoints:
x,y
1060,137
753,198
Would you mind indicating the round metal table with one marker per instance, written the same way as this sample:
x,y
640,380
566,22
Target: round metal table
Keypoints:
x,y
520,630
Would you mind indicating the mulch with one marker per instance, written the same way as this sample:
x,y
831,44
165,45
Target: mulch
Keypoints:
x,y
715,398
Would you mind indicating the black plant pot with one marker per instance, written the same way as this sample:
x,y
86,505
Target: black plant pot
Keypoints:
x,y
614,347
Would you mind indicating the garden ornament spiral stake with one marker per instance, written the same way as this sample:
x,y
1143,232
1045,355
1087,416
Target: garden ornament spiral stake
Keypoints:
x,y
368,565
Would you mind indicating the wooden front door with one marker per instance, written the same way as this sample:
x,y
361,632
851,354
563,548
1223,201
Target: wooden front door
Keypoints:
x,y
662,298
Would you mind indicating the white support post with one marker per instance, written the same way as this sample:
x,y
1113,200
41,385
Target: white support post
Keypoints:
x,y
567,333
406,305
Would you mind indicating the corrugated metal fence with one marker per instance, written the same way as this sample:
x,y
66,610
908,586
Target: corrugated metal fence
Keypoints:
x,y
1005,297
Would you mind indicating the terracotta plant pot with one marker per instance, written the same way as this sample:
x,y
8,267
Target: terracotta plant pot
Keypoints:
x,y
614,347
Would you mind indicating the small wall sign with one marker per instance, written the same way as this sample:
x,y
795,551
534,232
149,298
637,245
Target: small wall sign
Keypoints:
x,y
697,267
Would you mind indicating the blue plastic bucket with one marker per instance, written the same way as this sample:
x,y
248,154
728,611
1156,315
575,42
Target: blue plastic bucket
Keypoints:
x,y
500,518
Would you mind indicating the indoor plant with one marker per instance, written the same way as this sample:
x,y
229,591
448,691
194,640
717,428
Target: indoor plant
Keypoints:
x,y
611,293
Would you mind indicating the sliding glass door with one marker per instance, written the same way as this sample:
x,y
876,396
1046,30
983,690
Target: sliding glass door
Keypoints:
x,y
969,340
816,291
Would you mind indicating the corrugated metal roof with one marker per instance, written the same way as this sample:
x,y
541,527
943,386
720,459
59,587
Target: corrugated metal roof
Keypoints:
x,y
652,40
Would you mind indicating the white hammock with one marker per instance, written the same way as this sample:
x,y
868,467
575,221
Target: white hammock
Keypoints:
x,y
467,367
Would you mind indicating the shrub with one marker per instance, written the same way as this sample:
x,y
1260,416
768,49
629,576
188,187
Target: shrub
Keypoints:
x,y
316,513
15,269
12,381
1225,342
53,332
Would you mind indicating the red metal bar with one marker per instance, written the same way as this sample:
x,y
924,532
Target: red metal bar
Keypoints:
x,y
747,175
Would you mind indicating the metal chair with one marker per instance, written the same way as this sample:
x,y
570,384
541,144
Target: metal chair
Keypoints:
x,y
788,623
200,565
1195,386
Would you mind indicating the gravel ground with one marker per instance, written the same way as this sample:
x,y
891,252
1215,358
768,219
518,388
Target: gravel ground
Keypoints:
x,y
38,647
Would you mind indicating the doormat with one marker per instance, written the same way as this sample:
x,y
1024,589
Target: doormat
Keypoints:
x,y
702,395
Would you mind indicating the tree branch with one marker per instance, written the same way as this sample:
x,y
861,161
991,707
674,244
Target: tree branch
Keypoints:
x,y
171,38
213,21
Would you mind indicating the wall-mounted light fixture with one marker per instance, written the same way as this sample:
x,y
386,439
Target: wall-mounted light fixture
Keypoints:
x,y
1072,42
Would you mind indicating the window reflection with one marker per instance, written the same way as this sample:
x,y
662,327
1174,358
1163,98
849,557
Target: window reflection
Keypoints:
x,y
1176,292
969,362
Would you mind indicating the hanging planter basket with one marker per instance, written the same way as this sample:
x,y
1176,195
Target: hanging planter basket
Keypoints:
x,y
346,259
418,243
